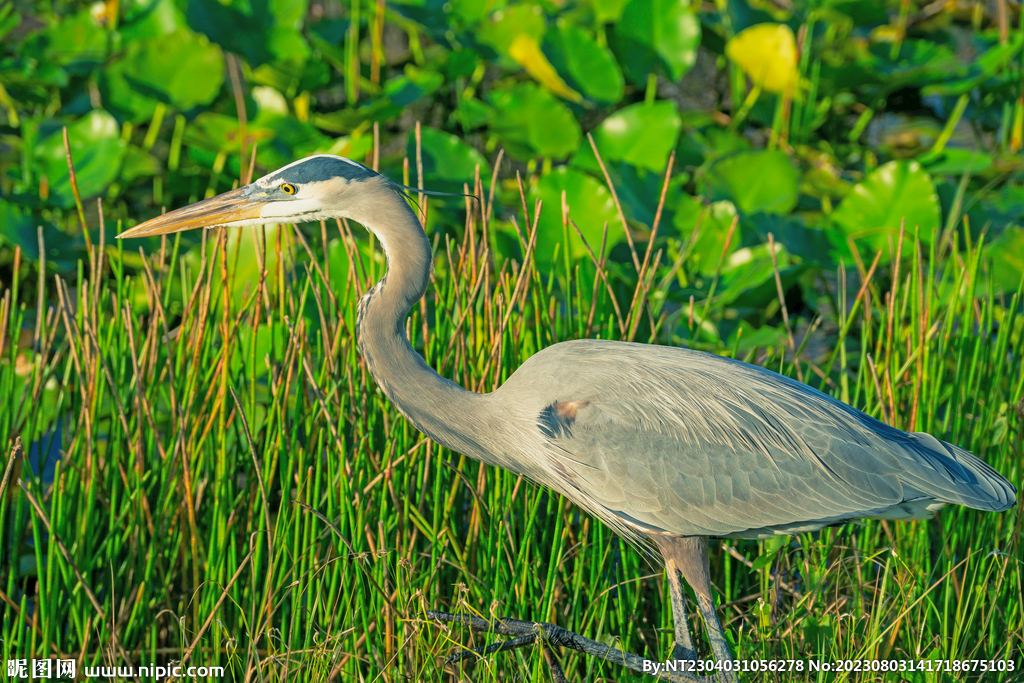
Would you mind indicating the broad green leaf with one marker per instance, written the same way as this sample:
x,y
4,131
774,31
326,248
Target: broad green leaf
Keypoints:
x,y
591,67
640,134
138,164
471,11
260,32
399,92
76,40
876,206
181,69
590,207
713,222
526,51
809,244
1006,209
608,10
215,132
146,19
956,162
530,122
1006,255
15,223
657,34
748,276
758,181
97,150
746,337
767,53
507,24
447,159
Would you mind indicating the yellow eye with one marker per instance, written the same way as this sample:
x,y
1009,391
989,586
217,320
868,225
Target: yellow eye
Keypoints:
x,y
288,188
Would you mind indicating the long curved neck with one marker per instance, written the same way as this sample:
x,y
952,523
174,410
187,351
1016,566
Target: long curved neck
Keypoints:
x,y
438,407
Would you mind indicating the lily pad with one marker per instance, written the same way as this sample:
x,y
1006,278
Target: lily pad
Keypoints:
x,y
1006,255
875,208
181,69
590,206
589,66
507,24
260,32
713,222
97,150
656,35
447,160
758,181
748,276
640,134
530,122
608,10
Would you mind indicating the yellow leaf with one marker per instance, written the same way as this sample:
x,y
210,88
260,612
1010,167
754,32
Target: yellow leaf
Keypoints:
x,y
525,50
767,52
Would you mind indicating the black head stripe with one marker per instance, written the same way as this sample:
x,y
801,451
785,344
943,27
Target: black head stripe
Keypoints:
x,y
321,168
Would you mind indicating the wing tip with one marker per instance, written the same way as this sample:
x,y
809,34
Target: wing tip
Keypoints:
x,y
973,482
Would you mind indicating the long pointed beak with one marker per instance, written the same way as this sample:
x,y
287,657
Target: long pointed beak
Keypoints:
x,y
226,208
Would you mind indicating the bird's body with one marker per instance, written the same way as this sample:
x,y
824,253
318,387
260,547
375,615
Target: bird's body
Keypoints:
x,y
663,440
664,444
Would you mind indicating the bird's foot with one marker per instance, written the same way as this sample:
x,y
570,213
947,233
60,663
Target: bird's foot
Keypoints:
x,y
525,633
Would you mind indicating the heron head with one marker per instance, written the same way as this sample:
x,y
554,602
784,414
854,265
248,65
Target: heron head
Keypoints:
x,y
310,189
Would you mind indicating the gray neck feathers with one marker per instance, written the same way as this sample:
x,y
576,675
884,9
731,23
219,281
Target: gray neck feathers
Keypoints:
x,y
438,407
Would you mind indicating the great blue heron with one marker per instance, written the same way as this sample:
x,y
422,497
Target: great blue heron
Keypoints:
x,y
667,445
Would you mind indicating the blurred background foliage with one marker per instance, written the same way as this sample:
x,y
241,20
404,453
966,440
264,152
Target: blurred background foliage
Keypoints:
x,y
817,122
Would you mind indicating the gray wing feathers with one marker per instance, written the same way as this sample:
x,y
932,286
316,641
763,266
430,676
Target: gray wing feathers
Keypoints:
x,y
676,441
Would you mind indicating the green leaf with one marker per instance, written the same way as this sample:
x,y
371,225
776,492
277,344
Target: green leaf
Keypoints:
x,y
608,10
772,546
956,162
657,34
181,69
876,206
138,164
1006,254
15,224
9,19
590,207
77,40
260,32
748,276
530,122
590,67
447,160
143,21
97,150
507,24
714,221
809,244
642,135
758,181
470,11
399,92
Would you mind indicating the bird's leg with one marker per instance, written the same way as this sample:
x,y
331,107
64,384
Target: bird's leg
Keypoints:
x,y
719,645
683,648
690,554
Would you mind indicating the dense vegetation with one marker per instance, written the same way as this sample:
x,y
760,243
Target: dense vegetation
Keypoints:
x,y
206,472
